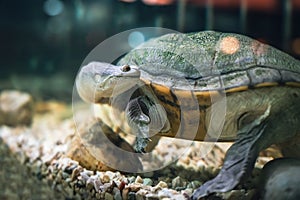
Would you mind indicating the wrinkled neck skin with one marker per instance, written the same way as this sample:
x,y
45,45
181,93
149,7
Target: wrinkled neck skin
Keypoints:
x,y
112,110
121,96
244,107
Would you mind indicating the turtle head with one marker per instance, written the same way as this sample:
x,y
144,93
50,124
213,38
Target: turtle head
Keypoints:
x,y
99,80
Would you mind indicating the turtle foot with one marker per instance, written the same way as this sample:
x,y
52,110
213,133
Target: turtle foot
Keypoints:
x,y
239,160
221,183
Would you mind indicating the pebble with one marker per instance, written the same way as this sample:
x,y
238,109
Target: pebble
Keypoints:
x,y
131,196
177,182
147,181
162,184
178,197
65,175
131,179
75,182
16,108
125,192
165,192
117,194
106,187
105,178
71,168
97,184
187,192
98,196
75,173
139,197
84,177
138,180
111,174
234,194
89,184
194,184
135,187
108,196
142,193
152,197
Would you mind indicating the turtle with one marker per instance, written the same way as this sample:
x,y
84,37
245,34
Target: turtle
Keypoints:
x,y
180,83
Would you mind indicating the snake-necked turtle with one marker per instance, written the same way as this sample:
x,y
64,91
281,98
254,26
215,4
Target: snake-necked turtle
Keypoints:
x,y
168,73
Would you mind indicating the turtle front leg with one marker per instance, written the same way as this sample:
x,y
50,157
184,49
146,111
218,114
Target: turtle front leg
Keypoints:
x,y
145,118
239,160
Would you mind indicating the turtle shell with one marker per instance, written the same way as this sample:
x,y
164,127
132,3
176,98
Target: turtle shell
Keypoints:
x,y
209,60
199,65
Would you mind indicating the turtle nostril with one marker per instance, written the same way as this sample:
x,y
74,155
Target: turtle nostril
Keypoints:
x,y
97,78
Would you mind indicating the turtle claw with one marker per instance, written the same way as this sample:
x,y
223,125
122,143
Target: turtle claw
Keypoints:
x,y
141,144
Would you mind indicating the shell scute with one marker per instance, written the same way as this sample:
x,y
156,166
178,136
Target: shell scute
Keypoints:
x,y
210,60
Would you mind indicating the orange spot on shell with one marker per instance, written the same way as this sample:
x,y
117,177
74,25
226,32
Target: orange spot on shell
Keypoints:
x,y
258,48
229,45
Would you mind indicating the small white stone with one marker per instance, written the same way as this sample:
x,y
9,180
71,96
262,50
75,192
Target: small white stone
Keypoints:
x,y
138,180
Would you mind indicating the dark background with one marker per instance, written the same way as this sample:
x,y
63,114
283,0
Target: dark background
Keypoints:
x,y
43,42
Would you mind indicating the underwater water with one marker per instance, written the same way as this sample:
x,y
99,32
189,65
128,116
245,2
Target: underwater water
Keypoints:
x,y
44,43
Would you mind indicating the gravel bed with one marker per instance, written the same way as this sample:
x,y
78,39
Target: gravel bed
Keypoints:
x,y
34,165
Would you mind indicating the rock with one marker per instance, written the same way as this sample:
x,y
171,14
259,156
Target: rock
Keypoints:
x,y
111,174
147,181
16,108
90,147
131,196
194,184
141,194
135,187
162,184
125,192
167,193
234,194
281,179
108,196
177,182
178,197
131,179
152,197
117,194
138,180
105,178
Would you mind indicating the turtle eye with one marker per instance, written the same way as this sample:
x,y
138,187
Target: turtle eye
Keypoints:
x,y
126,68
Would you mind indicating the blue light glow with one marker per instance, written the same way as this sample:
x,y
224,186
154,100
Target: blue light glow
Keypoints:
x,y
53,7
135,38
